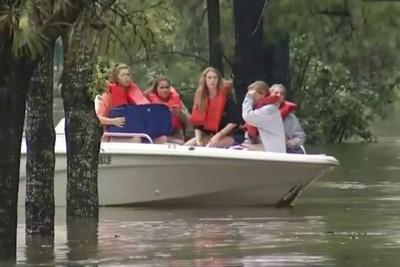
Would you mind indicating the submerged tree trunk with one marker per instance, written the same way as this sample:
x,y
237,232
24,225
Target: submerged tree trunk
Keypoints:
x,y
40,138
39,250
83,131
15,74
14,81
249,48
214,35
82,239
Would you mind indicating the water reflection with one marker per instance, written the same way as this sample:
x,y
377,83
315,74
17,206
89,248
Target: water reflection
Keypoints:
x,y
82,240
206,237
39,251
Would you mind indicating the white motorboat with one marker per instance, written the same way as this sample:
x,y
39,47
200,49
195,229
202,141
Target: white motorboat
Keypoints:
x,y
168,174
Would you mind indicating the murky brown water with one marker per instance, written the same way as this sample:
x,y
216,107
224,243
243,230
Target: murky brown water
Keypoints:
x,y
348,218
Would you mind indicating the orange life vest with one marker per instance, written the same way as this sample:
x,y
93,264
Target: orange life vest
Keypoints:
x,y
173,100
211,116
285,108
132,95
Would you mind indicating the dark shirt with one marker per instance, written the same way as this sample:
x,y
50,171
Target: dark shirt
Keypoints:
x,y
231,115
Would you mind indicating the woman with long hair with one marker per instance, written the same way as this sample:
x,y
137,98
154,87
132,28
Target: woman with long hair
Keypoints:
x,y
121,90
162,92
215,115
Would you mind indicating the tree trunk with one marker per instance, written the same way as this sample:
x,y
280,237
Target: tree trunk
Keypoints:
x,y
277,60
15,74
83,130
39,250
14,81
40,138
82,239
249,48
214,35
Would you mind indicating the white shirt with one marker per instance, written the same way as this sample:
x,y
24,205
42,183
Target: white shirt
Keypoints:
x,y
269,122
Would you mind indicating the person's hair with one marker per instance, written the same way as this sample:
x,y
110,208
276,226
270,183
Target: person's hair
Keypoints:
x,y
157,82
201,95
260,87
280,86
115,70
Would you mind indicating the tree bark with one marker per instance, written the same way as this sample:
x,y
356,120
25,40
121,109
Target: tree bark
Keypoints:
x,y
249,48
214,35
40,139
83,130
14,82
277,60
15,74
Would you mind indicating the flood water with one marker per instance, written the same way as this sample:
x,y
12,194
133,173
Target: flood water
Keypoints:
x,y
348,218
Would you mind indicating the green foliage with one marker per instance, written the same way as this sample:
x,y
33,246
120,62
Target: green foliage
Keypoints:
x,y
343,63
27,39
100,77
166,44
332,107
344,57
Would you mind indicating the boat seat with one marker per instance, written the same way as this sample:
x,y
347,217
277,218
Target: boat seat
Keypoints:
x,y
153,120
298,150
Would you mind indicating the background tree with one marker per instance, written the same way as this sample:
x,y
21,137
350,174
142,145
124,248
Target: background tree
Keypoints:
x,y
249,45
300,39
214,35
330,52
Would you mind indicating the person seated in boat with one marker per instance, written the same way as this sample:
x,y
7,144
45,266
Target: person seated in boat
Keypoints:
x,y
215,115
260,111
121,90
294,133
162,92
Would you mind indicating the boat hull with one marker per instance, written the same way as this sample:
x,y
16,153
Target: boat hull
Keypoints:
x,y
140,175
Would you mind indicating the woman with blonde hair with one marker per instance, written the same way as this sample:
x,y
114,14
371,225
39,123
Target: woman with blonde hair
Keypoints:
x,y
214,114
121,90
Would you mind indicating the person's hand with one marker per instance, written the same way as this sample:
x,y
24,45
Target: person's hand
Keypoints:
x,y
199,142
214,140
251,92
175,110
119,121
290,143
281,98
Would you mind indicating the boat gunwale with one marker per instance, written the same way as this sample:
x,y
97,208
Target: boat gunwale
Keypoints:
x,y
218,153
120,148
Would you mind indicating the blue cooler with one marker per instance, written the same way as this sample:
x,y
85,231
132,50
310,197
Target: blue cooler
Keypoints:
x,y
152,119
